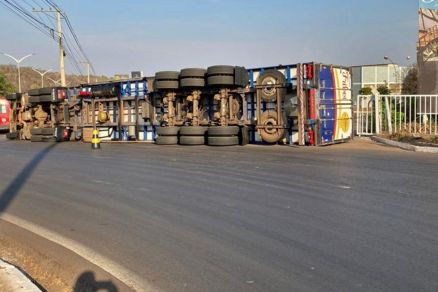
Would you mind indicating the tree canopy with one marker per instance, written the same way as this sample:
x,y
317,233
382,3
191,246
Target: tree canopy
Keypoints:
x,y
366,91
5,86
410,83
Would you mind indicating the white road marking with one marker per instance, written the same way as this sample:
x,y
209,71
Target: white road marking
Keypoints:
x,y
101,182
126,276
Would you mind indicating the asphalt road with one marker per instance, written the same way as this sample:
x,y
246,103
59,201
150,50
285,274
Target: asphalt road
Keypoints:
x,y
352,217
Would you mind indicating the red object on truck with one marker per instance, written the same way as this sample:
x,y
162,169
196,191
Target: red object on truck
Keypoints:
x,y
5,109
312,104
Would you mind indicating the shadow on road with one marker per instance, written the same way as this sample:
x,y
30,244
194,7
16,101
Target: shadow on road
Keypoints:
x,y
20,180
86,282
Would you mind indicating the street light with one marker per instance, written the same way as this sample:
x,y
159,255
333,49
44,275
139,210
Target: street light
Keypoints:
x,y
42,75
18,61
397,72
392,62
388,59
56,82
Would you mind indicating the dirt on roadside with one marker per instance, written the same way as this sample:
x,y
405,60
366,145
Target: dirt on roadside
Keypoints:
x,y
53,267
417,140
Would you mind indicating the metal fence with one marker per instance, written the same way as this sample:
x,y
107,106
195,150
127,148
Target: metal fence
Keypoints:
x,y
410,114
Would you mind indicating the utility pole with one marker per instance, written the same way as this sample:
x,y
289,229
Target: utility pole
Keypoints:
x,y
88,71
61,45
42,75
18,61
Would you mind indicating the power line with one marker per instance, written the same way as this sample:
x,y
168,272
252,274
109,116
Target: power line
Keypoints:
x,y
47,26
26,19
29,15
73,33
70,27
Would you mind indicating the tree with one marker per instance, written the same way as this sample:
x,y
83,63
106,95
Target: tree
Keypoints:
x,y
410,83
5,86
384,90
366,91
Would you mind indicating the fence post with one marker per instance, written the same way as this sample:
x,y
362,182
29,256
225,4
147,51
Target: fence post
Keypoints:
x,y
388,114
377,113
358,132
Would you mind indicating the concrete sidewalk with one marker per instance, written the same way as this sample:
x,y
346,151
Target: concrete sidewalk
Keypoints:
x,y
12,279
405,146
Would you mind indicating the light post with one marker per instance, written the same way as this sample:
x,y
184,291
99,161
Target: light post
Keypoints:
x,y
56,82
388,59
42,75
397,71
18,61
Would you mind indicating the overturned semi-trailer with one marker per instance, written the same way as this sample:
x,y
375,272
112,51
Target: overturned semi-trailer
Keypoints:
x,y
304,104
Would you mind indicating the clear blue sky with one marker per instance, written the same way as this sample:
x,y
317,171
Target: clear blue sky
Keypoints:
x,y
121,36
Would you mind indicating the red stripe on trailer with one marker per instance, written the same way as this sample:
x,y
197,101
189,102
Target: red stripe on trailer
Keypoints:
x,y
312,104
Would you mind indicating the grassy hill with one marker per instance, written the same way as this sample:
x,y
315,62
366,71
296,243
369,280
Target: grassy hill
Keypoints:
x,y
31,79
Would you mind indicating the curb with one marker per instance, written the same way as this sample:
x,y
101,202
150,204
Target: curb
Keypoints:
x,y
405,146
13,279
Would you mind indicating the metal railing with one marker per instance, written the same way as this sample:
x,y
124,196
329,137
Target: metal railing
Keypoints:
x,y
391,114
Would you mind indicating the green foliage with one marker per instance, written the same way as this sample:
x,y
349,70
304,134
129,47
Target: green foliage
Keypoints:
x,y
366,91
384,90
5,86
410,83
397,117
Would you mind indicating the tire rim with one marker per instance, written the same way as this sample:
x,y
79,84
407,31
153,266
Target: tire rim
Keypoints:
x,y
269,89
270,124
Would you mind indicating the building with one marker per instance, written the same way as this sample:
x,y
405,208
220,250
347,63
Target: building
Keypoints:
x,y
373,76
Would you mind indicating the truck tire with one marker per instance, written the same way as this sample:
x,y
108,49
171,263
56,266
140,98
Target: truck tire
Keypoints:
x,y
36,138
36,131
192,140
220,70
223,141
45,98
34,99
12,136
193,73
34,92
47,131
13,96
269,83
167,75
220,80
221,131
46,90
192,83
269,134
166,84
167,140
193,131
168,131
48,139
244,136
241,77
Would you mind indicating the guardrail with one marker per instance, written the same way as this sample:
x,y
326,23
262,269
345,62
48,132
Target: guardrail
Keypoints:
x,y
412,114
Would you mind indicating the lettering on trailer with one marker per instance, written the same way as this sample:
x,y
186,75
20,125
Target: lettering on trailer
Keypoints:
x,y
335,104
342,90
